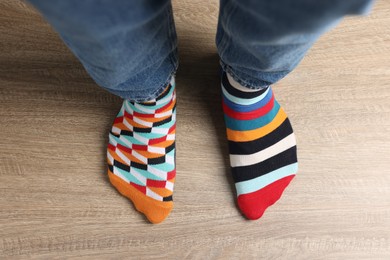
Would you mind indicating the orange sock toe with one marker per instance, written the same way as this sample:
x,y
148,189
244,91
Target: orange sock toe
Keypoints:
x,y
155,211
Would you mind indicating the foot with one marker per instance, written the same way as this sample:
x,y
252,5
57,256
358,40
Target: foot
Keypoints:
x,y
141,154
262,146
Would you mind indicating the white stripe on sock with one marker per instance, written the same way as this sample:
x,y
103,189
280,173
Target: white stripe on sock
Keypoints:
x,y
124,139
238,86
237,160
166,113
169,185
110,158
163,131
140,138
244,101
115,130
170,137
154,149
262,181
120,175
169,159
112,140
127,124
142,122
138,176
123,157
139,157
143,109
153,195
161,174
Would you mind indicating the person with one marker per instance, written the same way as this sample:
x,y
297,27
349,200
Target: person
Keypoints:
x,y
130,49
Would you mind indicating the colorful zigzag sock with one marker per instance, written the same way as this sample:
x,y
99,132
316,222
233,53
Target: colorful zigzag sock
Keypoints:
x,y
262,146
141,154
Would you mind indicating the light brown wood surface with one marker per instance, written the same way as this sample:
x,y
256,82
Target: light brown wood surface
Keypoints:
x,y
55,198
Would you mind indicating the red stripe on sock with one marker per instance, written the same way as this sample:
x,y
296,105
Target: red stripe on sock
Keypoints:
x,y
171,174
137,114
118,120
161,109
128,115
162,139
140,147
172,128
156,184
249,115
254,204
139,187
124,148
132,117
143,115
157,140
111,147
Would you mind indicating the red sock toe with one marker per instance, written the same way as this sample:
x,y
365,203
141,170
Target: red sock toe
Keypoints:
x,y
254,204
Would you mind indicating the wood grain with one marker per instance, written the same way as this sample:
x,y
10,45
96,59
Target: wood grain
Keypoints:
x,y
56,201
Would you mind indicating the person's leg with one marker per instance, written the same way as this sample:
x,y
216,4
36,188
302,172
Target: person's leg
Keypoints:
x,y
129,48
260,42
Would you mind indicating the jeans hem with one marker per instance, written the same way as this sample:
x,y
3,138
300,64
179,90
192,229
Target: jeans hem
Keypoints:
x,y
250,84
132,95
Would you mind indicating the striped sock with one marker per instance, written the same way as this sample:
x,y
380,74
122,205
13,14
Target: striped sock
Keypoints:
x,y
141,154
262,146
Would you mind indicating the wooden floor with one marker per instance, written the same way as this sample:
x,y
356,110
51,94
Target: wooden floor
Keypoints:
x,y
55,198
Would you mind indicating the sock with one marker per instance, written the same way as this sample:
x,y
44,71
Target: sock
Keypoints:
x,y
262,146
141,154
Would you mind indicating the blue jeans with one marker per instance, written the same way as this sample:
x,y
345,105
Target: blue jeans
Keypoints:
x,y
130,48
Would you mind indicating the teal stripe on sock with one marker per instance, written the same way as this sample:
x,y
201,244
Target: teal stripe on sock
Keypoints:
x,y
149,175
116,139
136,109
244,125
166,166
129,177
153,135
132,140
150,135
260,182
123,108
243,101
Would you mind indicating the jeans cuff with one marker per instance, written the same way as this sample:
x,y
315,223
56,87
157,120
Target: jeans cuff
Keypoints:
x,y
244,79
152,93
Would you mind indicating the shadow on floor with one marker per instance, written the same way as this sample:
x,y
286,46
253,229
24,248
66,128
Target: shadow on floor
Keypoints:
x,y
204,74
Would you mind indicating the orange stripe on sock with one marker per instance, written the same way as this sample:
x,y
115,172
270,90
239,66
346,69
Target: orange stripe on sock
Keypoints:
x,y
161,191
120,126
116,157
167,107
135,124
164,144
129,156
147,117
152,119
149,154
245,136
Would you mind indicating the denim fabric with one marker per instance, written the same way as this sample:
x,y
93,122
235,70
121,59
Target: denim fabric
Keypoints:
x,y
130,48
261,41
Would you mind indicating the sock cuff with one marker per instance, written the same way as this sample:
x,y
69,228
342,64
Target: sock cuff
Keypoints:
x,y
238,94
